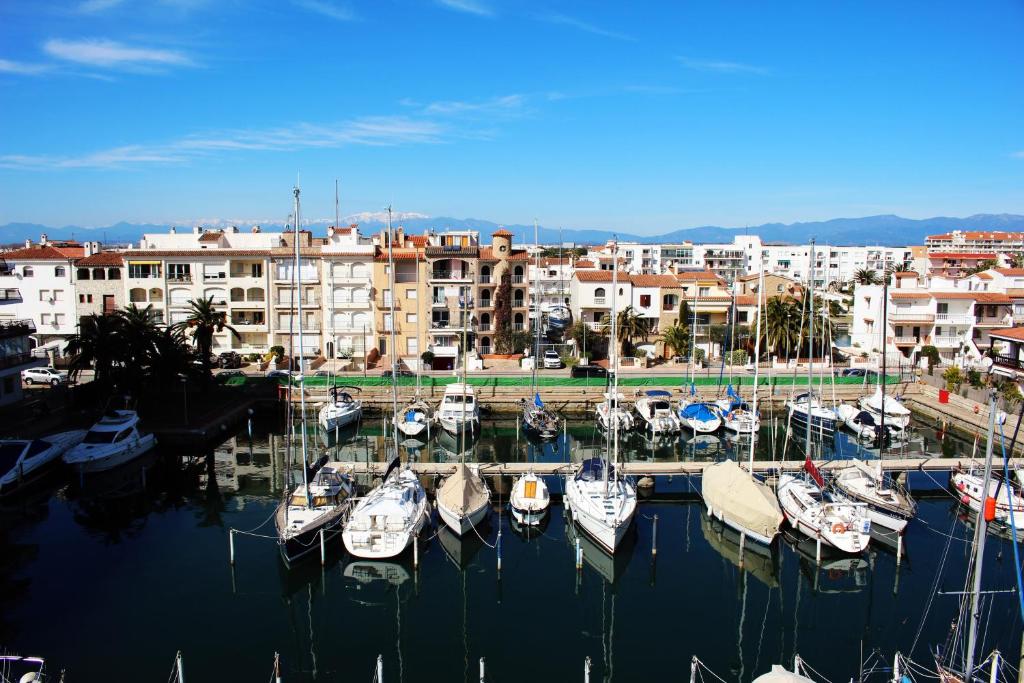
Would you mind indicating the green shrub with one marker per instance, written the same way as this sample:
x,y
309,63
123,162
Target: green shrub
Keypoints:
x,y
427,357
738,357
698,355
864,355
974,378
278,352
932,354
953,377
570,361
1010,393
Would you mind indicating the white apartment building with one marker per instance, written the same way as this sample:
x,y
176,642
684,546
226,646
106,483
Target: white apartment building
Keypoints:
x,y
347,293
38,281
590,295
975,241
551,282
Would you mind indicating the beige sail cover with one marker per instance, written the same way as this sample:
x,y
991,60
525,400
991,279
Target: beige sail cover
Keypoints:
x,y
463,492
729,489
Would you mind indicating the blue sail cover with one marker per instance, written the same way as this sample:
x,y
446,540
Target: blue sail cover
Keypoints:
x,y
697,411
536,400
693,389
736,401
659,393
591,469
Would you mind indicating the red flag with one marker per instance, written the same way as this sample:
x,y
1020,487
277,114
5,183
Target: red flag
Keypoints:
x,y
813,471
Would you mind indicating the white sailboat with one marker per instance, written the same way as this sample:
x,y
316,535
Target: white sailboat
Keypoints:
x,y
844,526
340,411
530,499
23,460
598,499
114,440
463,499
737,416
613,410
889,505
1001,498
737,498
318,508
700,417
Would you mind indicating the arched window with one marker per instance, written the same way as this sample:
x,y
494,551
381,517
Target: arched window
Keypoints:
x,y
360,321
27,271
99,274
237,294
518,321
342,321
485,297
219,296
599,294
485,321
113,273
485,345
485,274
342,295
137,295
156,295
180,296
360,270
254,294
517,298
517,274
60,271
83,274
360,295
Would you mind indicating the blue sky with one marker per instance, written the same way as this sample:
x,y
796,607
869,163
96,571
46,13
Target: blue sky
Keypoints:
x,y
638,116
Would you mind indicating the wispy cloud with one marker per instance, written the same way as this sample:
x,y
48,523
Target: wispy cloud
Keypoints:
x,y
109,54
1018,155
93,6
468,6
573,22
22,68
367,131
333,10
724,67
505,104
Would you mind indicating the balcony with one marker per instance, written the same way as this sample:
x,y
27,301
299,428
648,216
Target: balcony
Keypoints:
x,y
992,322
308,326
180,279
352,303
518,303
486,303
947,342
16,359
1009,362
439,301
906,341
486,279
448,325
599,301
912,317
955,318
1018,318
451,275
485,327
518,279
10,295
16,328
288,301
215,277
243,326
465,302
385,304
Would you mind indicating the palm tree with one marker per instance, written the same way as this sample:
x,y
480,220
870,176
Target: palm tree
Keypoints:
x,y
866,276
982,266
138,327
677,338
629,325
1017,259
173,358
98,344
780,325
204,320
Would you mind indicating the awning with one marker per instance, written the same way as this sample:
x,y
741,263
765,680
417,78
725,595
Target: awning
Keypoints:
x,y
445,351
144,263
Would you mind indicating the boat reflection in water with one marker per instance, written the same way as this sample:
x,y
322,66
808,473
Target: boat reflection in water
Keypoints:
x,y
702,447
759,560
836,573
450,448
611,567
380,575
462,550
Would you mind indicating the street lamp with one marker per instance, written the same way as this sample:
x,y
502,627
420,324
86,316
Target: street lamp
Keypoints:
x,y
184,393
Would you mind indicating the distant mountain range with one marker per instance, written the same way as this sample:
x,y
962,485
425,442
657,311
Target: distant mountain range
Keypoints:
x,y
885,230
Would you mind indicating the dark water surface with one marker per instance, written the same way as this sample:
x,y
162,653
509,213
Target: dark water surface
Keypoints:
x,y
109,579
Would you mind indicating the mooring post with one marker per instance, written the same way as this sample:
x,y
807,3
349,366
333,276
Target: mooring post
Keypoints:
x,y
250,425
586,670
654,538
693,669
277,668
416,551
899,548
579,555
231,545
482,677
380,668
323,548
181,668
817,550
743,543
499,552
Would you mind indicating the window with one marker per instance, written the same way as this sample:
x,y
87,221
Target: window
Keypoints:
x,y
83,274
88,298
113,273
387,297
136,295
27,271
412,346
179,271
44,318
741,316
98,274
645,301
81,298
410,318
938,331
58,295
44,295
59,271
156,294
58,320
410,294
143,270
942,308
599,295
669,301
703,291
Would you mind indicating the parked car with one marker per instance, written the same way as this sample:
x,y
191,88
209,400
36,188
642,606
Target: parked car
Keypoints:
x,y
50,376
859,372
229,359
402,372
552,360
222,377
588,371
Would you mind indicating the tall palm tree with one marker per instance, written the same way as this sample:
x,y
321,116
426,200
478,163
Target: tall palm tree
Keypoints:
x,y
629,325
677,338
780,325
866,276
203,321
138,327
172,357
98,344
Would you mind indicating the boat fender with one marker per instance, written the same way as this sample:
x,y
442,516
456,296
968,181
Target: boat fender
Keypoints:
x,y
960,486
976,409
990,508
838,528
965,499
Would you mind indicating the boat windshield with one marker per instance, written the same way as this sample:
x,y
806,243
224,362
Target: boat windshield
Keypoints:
x,y
457,399
9,453
99,437
299,500
660,405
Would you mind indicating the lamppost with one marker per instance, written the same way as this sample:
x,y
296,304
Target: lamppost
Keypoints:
x,y
184,393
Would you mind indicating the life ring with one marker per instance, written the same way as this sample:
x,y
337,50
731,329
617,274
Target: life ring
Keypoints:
x,y
838,528
976,409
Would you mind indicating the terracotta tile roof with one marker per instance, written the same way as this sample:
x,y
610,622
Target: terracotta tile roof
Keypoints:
x,y
954,295
921,294
1014,333
104,258
905,273
992,298
584,263
417,240
983,276
502,232
654,281
46,253
600,276
399,254
961,255
211,236
487,254
1014,292
1010,272
546,262
980,235
698,275
228,253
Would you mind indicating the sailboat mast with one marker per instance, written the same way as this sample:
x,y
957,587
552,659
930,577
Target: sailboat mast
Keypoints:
x,y
980,532
536,298
757,363
302,374
394,351
614,360
693,330
881,380
810,346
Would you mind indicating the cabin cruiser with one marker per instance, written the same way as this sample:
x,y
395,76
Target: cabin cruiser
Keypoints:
x,y
415,418
654,410
459,410
530,499
823,420
538,421
301,518
897,417
844,526
463,499
601,502
387,519
611,410
889,505
340,411
860,422
22,460
1004,494
114,440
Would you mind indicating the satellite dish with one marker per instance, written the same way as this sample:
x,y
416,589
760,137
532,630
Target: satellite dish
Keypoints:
x,y
986,363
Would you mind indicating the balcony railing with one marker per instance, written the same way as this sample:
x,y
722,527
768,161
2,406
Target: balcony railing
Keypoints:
x,y
486,303
17,327
947,342
283,328
955,318
906,341
10,295
518,279
485,327
599,301
486,279
179,279
465,302
518,327
518,303
439,301
923,316
450,275
306,301
1009,362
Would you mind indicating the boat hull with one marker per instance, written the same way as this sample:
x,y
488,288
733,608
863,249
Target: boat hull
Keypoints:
x,y
108,459
296,547
463,524
456,427
379,544
330,420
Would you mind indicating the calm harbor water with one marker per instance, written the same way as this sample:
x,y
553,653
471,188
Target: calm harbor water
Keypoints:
x,y
107,579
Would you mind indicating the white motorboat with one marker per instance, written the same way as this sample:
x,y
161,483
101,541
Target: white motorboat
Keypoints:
x,y
700,417
741,420
340,411
654,410
301,518
459,410
530,499
897,417
463,499
415,418
22,460
114,440
613,410
601,502
860,422
386,520
742,502
844,526
823,420
969,484
889,505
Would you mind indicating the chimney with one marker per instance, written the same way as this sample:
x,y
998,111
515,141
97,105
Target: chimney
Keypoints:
x,y
234,229
255,229
174,230
197,230
42,240
400,237
28,243
87,251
